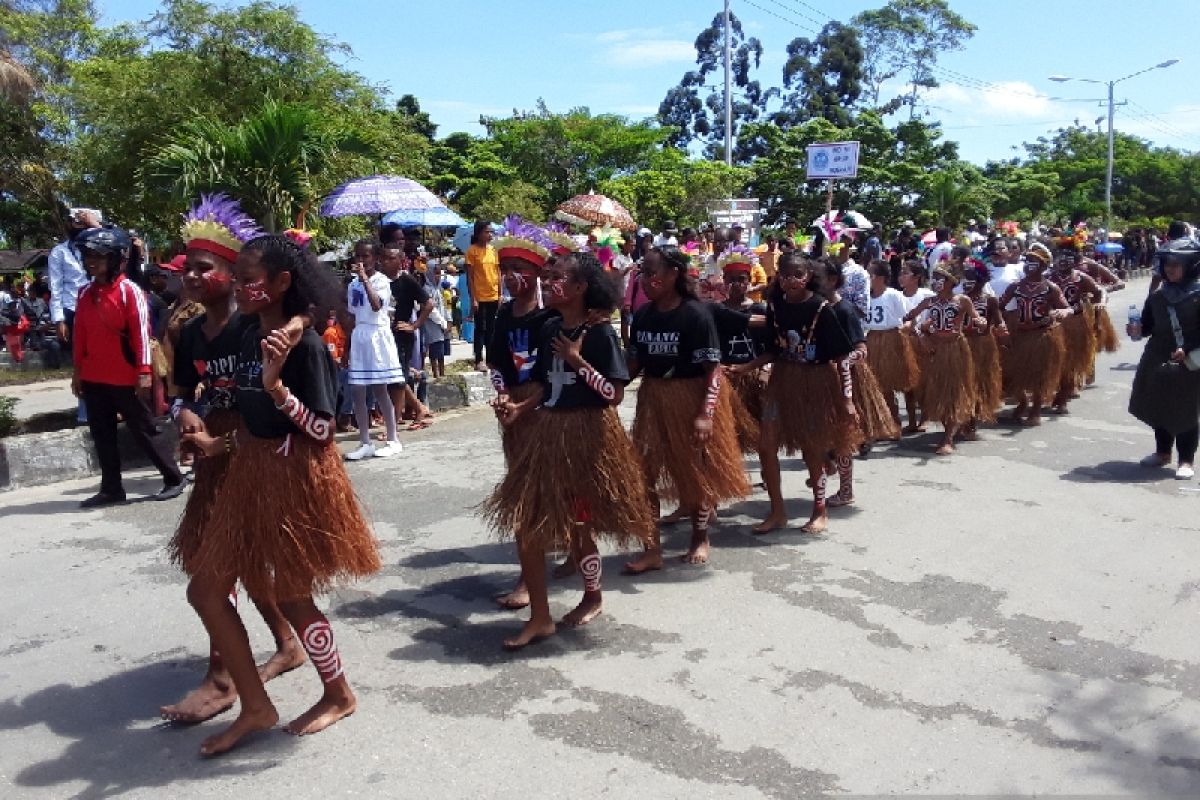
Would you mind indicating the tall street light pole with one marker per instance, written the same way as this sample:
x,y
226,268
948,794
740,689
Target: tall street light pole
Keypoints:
x,y
728,89
1108,179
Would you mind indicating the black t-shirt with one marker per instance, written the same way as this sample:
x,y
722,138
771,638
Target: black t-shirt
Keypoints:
x,y
740,344
679,343
850,324
564,388
409,295
513,350
210,364
792,325
309,373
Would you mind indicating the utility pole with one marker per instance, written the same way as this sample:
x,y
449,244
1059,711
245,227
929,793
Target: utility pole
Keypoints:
x,y
1108,177
728,89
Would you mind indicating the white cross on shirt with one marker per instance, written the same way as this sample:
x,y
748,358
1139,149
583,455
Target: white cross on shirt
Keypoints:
x,y
559,377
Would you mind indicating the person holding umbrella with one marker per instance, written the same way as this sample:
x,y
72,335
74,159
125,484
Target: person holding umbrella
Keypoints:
x,y
483,282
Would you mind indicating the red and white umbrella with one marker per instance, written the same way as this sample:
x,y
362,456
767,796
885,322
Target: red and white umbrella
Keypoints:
x,y
595,209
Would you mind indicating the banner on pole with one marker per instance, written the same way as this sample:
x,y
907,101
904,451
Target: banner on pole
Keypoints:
x,y
833,160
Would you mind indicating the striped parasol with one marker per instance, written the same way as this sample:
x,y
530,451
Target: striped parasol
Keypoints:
x,y
595,209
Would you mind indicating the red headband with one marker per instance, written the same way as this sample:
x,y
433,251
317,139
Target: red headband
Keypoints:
x,y
214,248
523,254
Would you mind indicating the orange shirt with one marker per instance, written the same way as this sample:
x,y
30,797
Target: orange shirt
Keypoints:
x,y
335,341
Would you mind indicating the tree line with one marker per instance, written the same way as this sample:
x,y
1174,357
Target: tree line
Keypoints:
x,y
138,118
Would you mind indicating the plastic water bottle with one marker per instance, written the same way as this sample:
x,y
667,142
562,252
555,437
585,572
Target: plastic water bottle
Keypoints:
x,y
1135,323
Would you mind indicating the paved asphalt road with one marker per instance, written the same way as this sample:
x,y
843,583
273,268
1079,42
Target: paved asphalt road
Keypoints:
x,y
1017,618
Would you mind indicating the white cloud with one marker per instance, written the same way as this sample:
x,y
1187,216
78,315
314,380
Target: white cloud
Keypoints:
x,y
649,53
1017,98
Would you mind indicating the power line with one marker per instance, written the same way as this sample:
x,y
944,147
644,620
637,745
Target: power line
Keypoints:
x,y
799,13
777,16
1174,131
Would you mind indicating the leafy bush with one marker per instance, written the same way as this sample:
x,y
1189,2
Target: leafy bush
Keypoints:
x,y
8,415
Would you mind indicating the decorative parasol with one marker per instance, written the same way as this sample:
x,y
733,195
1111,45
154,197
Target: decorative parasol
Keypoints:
x,y
441,217
595,209
378,194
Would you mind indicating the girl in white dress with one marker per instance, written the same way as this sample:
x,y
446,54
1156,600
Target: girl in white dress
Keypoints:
x,y
374,361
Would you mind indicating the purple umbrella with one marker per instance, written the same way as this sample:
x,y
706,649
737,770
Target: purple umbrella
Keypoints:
x,y
378,194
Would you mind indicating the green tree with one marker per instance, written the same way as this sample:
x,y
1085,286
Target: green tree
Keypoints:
x,y
675,187
903,40
695,109
571,153
278,162
822,77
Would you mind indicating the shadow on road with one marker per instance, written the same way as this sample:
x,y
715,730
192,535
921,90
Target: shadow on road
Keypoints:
x,y
1117,472
117,744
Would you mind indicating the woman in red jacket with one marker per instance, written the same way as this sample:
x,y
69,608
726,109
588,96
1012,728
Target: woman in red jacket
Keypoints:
x,y
112,365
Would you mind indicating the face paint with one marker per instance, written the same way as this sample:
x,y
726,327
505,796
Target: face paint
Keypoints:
x,y
968,286
556,289
937,284
214,284
257,292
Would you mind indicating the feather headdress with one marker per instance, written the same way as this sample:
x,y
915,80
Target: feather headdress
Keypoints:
x,y
561,239
522,239
608,242
737,258
218,225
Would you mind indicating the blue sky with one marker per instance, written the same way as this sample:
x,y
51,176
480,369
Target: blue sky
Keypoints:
x,y
463,58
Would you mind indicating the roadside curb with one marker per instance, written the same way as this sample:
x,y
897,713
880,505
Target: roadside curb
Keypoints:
x,y
37,459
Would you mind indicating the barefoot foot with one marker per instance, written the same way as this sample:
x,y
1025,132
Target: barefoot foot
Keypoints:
x,y
210,698
532,633
815,525
775,522
515,600
650,561
248,722
697,553
840,499
945,449
674,517
286,658
326,711
587,610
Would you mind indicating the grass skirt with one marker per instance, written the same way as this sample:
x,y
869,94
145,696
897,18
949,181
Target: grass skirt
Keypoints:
x,y
892,359
209,476
663,433
1034,363
948,395
989,392
874,416
287,525
808,402
515,437
1106,335
582,468
1079,338
746,395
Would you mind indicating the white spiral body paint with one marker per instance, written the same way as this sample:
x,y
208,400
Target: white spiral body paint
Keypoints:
x,y
318,642
590,568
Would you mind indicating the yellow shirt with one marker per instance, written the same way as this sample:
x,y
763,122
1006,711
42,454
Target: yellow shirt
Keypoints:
x,y
483,274
767,259
758,277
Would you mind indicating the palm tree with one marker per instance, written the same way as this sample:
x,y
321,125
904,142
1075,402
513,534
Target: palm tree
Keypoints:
x,y
277,161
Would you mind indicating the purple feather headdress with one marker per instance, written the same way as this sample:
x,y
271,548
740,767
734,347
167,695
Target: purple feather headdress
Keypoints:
x,y
522,239
218,224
